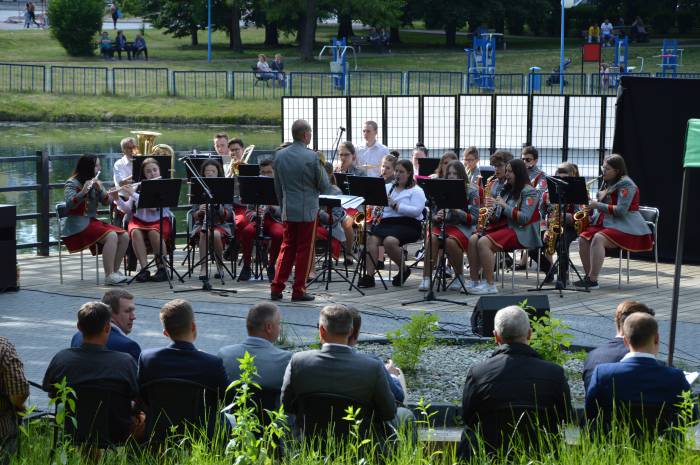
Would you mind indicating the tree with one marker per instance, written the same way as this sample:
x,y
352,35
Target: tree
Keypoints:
x,y
74,23
181,18
378,13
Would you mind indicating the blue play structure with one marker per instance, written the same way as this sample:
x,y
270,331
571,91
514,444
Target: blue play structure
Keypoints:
x,y
669,57
339,49
481,61
621,61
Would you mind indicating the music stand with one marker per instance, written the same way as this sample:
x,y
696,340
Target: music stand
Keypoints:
x,y
341,180
427,166
160,193
258,191
164,163
440,194
564,191
197,160
248,170
373,190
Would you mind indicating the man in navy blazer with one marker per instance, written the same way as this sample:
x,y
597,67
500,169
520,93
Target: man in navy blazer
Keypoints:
x,y
263,324
613,350
638,377
181,359
123,315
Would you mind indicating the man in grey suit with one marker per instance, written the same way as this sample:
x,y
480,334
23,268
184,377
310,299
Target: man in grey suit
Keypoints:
x,y
299,180
337,369
263,323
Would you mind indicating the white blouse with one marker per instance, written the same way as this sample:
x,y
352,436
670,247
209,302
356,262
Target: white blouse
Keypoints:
x,y
411,203
148,215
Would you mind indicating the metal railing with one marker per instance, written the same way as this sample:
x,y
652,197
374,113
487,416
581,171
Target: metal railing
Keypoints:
x,y
84,80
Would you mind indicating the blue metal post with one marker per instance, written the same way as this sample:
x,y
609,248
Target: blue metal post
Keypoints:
x,y
561,52
209,31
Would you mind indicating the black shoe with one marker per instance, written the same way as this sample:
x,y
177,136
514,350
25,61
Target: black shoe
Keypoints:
x,y
231,250
202,277
366,281
587,282
218,275
270,273
303,298
160,276
244,275
380,265
549,279
401,278
349,262
143,276
275,295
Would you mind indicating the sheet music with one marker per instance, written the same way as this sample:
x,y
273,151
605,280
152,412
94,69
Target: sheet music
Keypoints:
x,y
346,201
691,376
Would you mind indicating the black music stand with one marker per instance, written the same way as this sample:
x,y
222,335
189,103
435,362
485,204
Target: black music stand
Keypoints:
x,y
564,191
248,170
164,162
160,193
196,160
341,180
440,194
258,191
329,203
373,190
427,166
221,191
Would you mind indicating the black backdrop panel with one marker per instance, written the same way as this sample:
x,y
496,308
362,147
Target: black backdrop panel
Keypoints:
x,y
651,120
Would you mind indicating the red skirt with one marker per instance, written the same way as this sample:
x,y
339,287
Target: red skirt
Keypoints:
x,y
622,240
90,236
502,236
322,233
454,233
135,223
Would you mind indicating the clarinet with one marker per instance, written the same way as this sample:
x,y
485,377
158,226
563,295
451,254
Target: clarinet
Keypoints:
x,y
379,210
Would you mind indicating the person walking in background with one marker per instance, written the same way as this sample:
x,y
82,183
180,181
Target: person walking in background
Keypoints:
x,y
31,8
114,11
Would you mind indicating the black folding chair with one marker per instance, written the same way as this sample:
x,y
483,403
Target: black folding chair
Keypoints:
x,y
318,413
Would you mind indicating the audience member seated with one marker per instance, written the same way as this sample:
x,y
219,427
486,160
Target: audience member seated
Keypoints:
x,y
123,315
106,48
140,47
94,364
606,33
337,369
615,349
278,65
514,377
638,378
14,390
263,68
263,324
181,359
593,33
639,31
121,45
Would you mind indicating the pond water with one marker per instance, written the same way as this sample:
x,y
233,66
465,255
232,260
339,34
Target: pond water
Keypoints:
x,y
21,139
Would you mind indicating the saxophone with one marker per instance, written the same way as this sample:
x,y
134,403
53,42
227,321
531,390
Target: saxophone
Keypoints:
x,y
555,229
582,217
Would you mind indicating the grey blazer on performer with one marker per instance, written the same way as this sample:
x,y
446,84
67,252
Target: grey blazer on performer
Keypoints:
x,y
337,369
299,180
520,212
80,207
620,208
270,361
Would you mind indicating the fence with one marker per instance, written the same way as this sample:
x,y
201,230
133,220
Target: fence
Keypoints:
x,y
248,84
578,129
22,78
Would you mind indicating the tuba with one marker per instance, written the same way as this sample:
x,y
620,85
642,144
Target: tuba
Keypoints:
x,y
146,147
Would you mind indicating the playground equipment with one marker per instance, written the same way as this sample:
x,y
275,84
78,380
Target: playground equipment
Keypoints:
x,y
339,62
481,61
671,57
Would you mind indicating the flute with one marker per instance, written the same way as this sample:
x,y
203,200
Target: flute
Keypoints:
x,y
134,185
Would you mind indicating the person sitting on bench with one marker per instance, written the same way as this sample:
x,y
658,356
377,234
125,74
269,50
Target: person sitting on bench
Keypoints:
x,y
121,45
106,49
140,47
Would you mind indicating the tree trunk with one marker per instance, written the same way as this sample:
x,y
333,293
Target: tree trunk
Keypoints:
x,y
193,35
271,35
450,34
309,31
235,42
344,26
394,35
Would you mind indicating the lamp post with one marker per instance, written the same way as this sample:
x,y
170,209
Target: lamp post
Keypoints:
x,y
209,31
561,51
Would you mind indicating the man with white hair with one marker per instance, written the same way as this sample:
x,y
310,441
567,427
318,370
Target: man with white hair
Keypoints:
x,y
515,377
123,167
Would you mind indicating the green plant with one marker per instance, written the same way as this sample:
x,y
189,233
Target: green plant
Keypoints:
x,y
74,24
64,402
409,341
549,336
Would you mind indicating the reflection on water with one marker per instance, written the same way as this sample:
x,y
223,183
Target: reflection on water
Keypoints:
x,y
22,139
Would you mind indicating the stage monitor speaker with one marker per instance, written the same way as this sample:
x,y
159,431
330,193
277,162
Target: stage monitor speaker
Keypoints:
x,y
8,248
486,307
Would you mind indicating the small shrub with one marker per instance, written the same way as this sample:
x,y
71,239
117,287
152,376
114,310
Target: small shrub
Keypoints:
x,y
74,23
549,337
409,341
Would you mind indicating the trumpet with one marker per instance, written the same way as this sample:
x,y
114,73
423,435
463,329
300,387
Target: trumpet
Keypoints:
x,y
234,164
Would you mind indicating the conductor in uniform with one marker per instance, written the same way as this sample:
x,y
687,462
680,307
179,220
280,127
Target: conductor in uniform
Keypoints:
x,y
299,180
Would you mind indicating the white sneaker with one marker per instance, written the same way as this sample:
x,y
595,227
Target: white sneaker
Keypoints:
x,y
424,284
114,280
484,289
456,284
120,275
472,284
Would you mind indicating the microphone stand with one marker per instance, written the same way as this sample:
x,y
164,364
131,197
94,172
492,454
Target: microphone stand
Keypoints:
x,y
341,130
206,229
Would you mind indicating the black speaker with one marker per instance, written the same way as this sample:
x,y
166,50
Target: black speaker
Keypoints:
x,y
486,307
8,248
